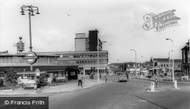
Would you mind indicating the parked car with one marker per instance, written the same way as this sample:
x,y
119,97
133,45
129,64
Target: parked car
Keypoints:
x,y
28,79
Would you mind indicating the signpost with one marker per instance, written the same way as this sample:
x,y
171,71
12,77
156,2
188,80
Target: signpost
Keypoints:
x,y
31,58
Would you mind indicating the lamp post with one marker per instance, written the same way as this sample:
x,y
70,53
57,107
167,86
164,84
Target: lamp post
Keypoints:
x,y
135,62
169,59
98,63
173,76
98,73
31,9
141,66
107,61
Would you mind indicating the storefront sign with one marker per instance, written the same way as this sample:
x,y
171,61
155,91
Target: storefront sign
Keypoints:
x,y
160,21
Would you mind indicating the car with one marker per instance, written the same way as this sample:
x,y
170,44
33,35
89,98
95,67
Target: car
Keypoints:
x,y
122,78
28,79
30,84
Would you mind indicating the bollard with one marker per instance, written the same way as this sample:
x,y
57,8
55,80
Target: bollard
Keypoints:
x,y
152,86
129,76
175,84
141,76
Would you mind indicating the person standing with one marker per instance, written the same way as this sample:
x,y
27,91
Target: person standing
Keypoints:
x,y
105,76
80,82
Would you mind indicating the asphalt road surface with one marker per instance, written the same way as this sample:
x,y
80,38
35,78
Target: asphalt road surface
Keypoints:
x,y
121,95
125,95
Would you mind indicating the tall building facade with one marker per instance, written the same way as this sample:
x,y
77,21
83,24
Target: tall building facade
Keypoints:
x,y
90,43
81,42
93,40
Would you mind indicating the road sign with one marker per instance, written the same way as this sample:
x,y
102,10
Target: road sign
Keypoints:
x,y
31,57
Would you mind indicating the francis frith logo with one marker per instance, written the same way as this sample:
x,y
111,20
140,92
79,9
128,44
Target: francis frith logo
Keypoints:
x,y
160,21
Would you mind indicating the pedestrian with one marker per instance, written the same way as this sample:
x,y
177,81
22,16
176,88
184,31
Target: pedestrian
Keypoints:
x,y
38,85
80,82
127,75
105,76
92,76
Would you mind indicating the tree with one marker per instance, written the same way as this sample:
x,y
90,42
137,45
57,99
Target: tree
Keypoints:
x,y
11,76
41,80
1,82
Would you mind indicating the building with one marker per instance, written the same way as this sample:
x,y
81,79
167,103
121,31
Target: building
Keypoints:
x,y
81,42
90,43
93,40
163,66
61,64
186,59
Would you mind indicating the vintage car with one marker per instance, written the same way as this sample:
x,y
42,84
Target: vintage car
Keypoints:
x,y
28,79
122,77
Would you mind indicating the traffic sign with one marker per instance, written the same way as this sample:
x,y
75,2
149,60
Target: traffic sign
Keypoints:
x,y
31,57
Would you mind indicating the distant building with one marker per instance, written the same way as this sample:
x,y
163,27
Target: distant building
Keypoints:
x,y
186,59
4,52
164,65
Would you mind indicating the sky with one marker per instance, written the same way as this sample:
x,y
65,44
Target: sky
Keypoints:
x,y
119,22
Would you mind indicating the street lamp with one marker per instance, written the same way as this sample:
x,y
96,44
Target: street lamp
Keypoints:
x,y
173,78
31,55
169,59
135,62
102,49
98,73
31,9
98,64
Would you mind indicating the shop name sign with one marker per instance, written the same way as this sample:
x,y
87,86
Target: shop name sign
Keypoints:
x,y
160,21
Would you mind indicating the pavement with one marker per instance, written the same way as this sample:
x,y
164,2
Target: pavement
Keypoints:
x,y
65,87
87,83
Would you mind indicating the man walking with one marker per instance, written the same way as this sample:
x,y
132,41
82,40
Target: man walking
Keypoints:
x,y
80,82
105,76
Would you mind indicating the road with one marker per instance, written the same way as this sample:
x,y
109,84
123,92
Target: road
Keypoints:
x,y
126,95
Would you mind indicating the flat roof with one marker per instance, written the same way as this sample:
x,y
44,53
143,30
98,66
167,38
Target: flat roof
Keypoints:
x,y
57,53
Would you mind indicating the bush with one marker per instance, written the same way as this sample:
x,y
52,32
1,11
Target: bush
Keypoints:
x,y
54,79
41,81
11,77
1,82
